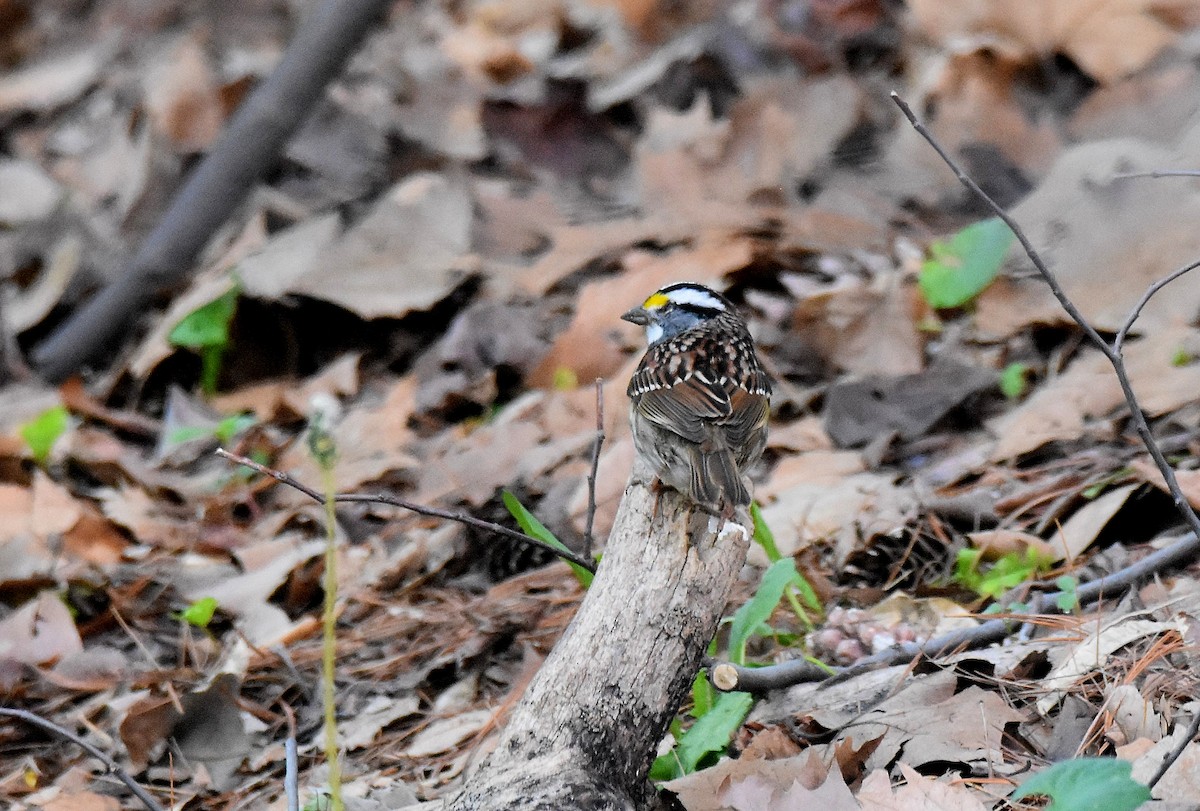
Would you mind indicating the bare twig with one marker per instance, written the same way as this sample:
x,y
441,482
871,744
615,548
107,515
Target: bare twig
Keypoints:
x,y
420,509
774,677
731,677
109,764
588,540
1111,352
1175,753
1160,173
247,148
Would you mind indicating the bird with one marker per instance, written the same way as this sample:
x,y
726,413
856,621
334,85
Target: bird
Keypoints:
x,y
700,399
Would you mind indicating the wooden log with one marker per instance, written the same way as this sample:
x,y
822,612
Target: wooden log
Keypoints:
x,y
586,731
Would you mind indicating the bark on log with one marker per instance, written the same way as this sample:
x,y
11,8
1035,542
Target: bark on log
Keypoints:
x,y
585,732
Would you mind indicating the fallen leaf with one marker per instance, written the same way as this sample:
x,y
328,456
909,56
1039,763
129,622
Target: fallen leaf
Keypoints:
x,y
1106,39
918,793
182,95
1092,652
39,632
54,81
408,253
446,733
27,193
1077,534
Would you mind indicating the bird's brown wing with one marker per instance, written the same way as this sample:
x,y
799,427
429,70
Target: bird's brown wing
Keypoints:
x,y
689,408
748,414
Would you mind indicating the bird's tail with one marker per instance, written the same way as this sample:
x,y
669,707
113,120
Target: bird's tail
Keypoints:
x,y
716,479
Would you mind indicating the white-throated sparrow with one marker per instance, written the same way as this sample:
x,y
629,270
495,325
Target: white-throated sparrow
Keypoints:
x,y
700,398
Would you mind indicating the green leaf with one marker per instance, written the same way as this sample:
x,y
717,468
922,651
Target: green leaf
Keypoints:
x,y
228,428
1004,573
1014,380
763,535
703,695
1087,784
199,613
711,733
207,326
536,529
43,431
960,269
1182,357
758,609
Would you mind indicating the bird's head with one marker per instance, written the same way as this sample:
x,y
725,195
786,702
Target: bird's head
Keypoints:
x,y
676,308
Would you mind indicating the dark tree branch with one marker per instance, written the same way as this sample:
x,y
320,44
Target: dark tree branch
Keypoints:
x,y
420,509
247,148
109,764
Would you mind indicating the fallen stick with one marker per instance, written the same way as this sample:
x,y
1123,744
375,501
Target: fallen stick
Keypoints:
x,y
246,149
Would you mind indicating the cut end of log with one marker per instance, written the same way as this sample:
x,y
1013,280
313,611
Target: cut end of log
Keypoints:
x,y
725,677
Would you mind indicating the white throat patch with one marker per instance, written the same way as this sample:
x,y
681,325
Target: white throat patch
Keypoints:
x,y
653,332
698,298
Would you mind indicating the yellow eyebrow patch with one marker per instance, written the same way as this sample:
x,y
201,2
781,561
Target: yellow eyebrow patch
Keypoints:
x,y
655,301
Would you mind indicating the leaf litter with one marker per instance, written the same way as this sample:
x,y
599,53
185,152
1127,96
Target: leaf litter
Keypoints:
x,y
444,251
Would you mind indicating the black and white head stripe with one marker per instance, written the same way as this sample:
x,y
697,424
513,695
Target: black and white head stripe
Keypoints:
x,y
690,296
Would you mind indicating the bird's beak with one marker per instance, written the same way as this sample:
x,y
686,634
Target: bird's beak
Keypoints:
x,y
637,316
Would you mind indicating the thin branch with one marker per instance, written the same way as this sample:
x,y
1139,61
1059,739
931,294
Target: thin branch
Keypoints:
x,y
731,677
1123,332
420,509
1160,173
1175,753
787,674
109,764
1112,353
588,540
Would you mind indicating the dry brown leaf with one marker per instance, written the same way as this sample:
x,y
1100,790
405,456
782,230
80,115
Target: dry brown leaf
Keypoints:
x,y
1147,232
1188,480
1108,39
823,467
1059,409
247,595
1181,782
791,784
39,632
182,95
996,543
55,81
1092,652
1085,525
446,733
94,539
273,268
848,509
919,793
408,253
864,329
131,507
928,722
361,729
83,801
372,441
92,669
